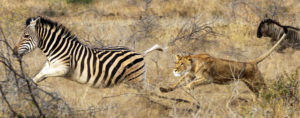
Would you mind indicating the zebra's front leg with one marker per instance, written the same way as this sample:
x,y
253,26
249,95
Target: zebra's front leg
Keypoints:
x,y
51,70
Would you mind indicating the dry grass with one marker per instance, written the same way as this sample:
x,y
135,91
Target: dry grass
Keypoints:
x,y
124,22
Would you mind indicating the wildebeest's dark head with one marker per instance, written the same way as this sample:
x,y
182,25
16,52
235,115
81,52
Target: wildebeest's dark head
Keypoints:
x,y
264,25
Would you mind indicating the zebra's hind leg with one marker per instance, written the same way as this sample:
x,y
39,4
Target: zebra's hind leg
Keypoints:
x,y
139,83
145,83
144,79
51,70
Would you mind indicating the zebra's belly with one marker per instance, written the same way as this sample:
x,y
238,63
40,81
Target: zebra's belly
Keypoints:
x,y
111,69
76,76
82,77
99,80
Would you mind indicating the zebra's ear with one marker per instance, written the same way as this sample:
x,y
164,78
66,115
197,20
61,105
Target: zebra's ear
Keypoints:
x,y
34,21
28,21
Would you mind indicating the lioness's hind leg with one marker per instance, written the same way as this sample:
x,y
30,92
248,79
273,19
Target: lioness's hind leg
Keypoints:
x,y
250,86
257,84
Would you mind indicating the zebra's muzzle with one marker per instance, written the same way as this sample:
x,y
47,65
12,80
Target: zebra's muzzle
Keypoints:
x,y
15,53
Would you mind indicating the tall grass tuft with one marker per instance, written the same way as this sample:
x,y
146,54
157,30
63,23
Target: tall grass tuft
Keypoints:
x,y
80,1
282,96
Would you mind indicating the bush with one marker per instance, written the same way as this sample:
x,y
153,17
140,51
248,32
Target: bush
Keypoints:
x,y
282,96
284,88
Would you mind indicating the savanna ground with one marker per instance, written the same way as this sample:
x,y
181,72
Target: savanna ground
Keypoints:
x,y
222,28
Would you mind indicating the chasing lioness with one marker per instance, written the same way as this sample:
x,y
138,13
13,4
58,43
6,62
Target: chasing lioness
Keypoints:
x,y
204,69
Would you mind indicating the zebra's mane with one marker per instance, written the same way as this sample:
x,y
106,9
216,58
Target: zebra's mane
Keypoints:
x,y
42,20
51,23
46,21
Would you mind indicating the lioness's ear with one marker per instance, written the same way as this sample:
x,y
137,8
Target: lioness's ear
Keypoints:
x,y
177,57
190,59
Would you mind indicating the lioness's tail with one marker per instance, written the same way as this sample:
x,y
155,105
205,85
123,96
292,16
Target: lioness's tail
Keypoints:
x,y
261,58
155,47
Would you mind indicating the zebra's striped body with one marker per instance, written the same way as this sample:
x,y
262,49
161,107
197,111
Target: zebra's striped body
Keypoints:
x,y
106,67
274,30
66,55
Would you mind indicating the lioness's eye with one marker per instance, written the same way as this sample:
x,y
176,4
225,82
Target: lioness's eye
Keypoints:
x,y
26,36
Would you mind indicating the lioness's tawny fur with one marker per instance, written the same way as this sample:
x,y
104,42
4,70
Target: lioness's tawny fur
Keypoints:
x,y
204,69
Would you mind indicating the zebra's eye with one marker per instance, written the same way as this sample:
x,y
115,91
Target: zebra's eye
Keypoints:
x,y
26,36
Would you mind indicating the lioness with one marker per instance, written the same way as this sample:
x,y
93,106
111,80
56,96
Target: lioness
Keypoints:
x,y
204,69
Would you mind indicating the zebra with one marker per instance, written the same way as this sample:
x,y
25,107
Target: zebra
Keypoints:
x,y
273,29
97,67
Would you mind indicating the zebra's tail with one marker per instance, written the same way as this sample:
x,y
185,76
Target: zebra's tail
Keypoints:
x,y
155,47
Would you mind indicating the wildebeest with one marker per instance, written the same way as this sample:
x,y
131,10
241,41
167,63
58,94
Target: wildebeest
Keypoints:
x,y
273,29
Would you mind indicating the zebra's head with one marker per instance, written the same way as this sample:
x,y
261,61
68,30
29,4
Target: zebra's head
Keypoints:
x,y
29,39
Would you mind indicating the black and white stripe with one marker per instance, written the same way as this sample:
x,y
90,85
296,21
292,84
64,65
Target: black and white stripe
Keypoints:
x,y
103,67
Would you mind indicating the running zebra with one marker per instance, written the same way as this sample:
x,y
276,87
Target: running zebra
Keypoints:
x,y
66,55
273,29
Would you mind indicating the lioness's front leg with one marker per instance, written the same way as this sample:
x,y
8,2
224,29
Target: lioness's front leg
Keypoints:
x,y
202,78
187,76
198,82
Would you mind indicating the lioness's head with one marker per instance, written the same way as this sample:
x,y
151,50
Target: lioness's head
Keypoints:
x,y
183,65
